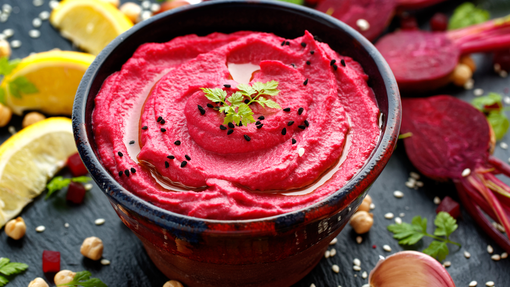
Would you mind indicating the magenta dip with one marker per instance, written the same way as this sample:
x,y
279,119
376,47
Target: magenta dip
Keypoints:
x,y
146,124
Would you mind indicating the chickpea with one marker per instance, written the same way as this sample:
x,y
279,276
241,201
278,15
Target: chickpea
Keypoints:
x,y
16,228
64,276
365,205
38,282
361,222
131,10
92,248
461,75
5,49
173,283
5,115
115,3
32,118
468,61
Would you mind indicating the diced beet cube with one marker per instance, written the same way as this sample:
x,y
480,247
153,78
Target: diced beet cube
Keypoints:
x,y
76,165
439,22
408,23
51,261
450,206
75,192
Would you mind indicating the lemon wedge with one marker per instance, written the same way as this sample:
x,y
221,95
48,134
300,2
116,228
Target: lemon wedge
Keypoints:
x,y
55,74
28,159
89,24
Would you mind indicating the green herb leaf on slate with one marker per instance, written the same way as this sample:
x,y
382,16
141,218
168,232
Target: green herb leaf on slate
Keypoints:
x,y
59,182
8,268
467,14
445,224
438,250
492,106
83,279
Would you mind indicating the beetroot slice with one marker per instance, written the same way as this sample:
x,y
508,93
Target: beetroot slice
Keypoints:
x,y
450,136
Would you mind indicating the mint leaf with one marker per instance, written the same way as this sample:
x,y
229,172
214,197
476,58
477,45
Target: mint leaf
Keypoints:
x,y
6,66
3,280
466,15
215,95
21,85
445,224
437,249
499,123
59,182
83,279
13,268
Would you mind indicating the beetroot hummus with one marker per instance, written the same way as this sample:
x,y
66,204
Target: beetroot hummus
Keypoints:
x,y
165,141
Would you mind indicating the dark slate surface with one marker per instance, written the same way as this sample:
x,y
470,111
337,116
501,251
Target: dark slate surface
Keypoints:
x,y
130,265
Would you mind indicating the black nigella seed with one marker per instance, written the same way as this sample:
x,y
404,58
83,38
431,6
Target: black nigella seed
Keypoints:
x,y
187,157
171,157
230,131
247,138
305,82
293,65
167,165
312,52
300,111
287,43
132,142
246,101
159,119
177,142
283,43
261,118
294,141
144,128
301,127
257,123
308,63
133,170
335,67
260,126
316,38
209,105
162,122
120,173
332,62
126,172
223,128
231,125
306,123
227,86
163,130
303,44
286,110
201,109
120,154
290,123
184,163
284,131
240,124
342,62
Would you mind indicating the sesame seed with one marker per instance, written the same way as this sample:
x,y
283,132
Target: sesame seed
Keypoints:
x,y
356,262
332,62
159,119
36,22
66,225
364,275
305,82
372,206
163,130
419,184
261,118
133,170
466,172
490,250
184,163
286,110
88,186
144,128
38,3
126,172
105,262
386,248
247,138
227,86
356,268
473,284
177,142
167,165
231,125
312,52
437,200
40,228
120,173
359,239
8,33
132,142
332,252
327,254
414,175
170,157
335,268
230,131
363,24
496,257
284,131
300,111
308,63
303,44
334,241
44,15
467,254
307,123
209,105
489,283
469,84
342,62
301,127
398,220
223,128
34,33
389,215
398,194
478,92
503,145
312,285
301,152
99,221
290,123
16,44
201,109
294,141
504,255
187,157
260,126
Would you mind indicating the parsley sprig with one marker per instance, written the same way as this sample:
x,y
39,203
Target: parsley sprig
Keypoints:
x,y
235,108
410,234
492,106
18,85
8,268
59,182
83,279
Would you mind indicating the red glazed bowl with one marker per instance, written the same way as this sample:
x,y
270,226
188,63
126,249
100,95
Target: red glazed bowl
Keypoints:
x,y
273,251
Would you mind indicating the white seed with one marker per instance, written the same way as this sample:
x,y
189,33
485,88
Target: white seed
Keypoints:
x,y
16,44
364,275
356,262
334,241
402,214
40,228
410,184
497,68
38,3
2,37
327,254
372,206
386,248
489,283
447,264
12,130
332,252
36,23
490,250
7,8
53,4
105,262
467,254
466,172
34,33
503,145
146,4
335,268
359,239
366,285
312,285
437,200
356,268
389,215
363,24
398,220
100,221
301,152
496,257
419,184
506,100
414,175
145,15
4,17
478,92
398,194
8,33
44,15
504,255
503,74
473,284
88,186
469,85
411,180
155,7
66,225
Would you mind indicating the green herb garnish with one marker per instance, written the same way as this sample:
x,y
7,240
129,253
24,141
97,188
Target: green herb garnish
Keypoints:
x,y
410,234
17,86
404,136
83,279
234,107
60,182
6,66
8,268
492,106
466,15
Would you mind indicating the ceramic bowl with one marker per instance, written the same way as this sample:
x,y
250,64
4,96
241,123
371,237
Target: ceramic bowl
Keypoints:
x,y
273,251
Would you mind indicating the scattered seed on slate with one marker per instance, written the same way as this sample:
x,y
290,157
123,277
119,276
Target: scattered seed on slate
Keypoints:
x,y
223,128
283,43
247,138
260,126
201,109
177,142
132,142
335,67
133,170
303,44
162,122
144,128
342,62
294,141
261,118
332,62
300,111
126,172
231,125
209,105
163,130
167,165
286,110
171,157
187,157
230,131
284,131
312,52
287,43
301,127
305,82
120,154
159,119
227,86
308,63
120,173
306,123
290,123
184,163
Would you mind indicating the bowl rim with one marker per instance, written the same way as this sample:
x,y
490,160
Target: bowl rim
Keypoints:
x,y
376,162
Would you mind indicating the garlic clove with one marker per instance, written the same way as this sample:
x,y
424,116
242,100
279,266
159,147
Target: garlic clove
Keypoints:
x,y
410,268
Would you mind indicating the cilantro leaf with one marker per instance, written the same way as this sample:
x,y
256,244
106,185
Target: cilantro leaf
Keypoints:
x,y
492,101
3,280
437,249
236,99
499,123
83,279
270,103
246,90
215,95
7,66
13,268
420,223
445,224
467,14
407,234
4,261
21,85
59,182
492,106
246,114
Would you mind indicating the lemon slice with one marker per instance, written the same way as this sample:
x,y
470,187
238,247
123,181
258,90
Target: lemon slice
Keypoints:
x,y
56,74
28,159
90,24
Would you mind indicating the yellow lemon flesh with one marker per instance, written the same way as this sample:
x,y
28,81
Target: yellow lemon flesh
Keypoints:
x,y
55,74
89,24
28,159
